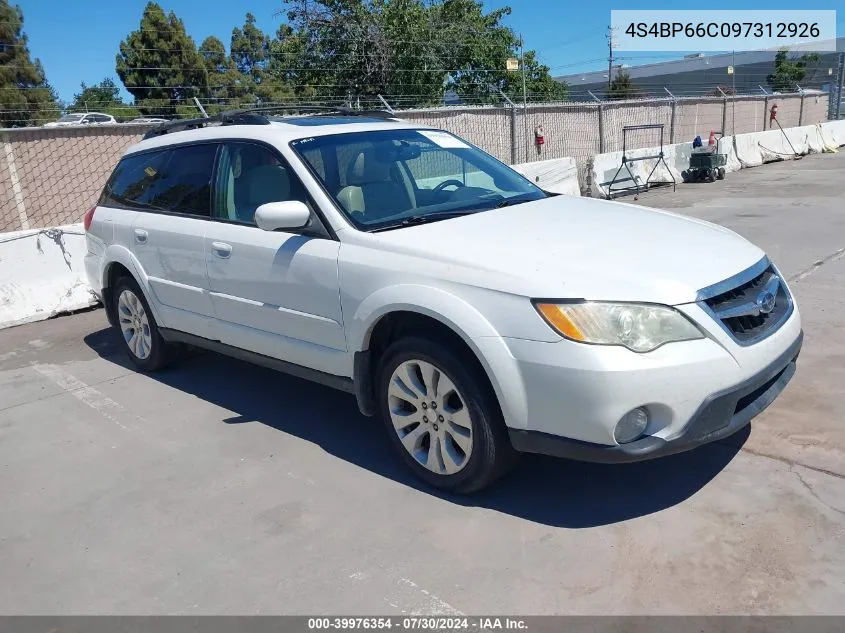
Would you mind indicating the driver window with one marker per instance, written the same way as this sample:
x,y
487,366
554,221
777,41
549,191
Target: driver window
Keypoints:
x,y
251,175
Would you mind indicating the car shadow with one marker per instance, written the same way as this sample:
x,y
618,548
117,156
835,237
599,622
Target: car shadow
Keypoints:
x,y
555,492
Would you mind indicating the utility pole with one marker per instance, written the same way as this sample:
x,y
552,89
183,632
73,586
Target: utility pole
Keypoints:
x,y
524,95
611,44
733,74
522,63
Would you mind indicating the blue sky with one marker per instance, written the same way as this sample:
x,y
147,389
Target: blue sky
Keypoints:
x,y
78,42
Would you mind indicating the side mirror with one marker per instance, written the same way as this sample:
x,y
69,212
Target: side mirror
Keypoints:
x,y
291,214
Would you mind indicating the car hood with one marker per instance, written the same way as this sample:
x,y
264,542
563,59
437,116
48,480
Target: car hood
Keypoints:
x,y
571,247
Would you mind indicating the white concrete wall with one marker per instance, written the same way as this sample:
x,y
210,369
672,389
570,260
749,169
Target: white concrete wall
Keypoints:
x,y
558,175
42,274
743,151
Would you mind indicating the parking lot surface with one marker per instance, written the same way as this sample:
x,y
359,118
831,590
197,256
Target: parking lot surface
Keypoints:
x,y
218,487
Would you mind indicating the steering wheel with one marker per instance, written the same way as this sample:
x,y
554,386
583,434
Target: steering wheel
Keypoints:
x,y
448,183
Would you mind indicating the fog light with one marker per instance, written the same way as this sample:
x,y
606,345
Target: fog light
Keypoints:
x,y
631,426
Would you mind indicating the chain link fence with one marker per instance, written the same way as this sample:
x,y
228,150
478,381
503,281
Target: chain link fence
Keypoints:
x,y
52,176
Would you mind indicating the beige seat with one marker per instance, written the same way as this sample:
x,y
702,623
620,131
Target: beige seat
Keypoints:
x,y
371,191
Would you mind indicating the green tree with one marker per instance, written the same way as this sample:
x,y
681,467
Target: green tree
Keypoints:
x,y
227,87
25,96
250,48
789,71
159,63
102,97
250,53
409,51
622,87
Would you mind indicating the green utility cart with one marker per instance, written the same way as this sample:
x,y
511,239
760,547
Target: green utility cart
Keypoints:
x,y
706,164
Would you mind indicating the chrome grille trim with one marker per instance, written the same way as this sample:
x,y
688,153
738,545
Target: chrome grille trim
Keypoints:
x,y
744,319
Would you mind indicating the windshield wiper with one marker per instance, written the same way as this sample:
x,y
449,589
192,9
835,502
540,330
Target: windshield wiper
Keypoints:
x,y
515,200
422,218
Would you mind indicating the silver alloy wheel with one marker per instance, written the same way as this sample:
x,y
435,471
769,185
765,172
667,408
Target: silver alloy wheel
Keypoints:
x,y
134,324
430,416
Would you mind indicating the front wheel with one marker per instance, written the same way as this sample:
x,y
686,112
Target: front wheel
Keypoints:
x,y
442,416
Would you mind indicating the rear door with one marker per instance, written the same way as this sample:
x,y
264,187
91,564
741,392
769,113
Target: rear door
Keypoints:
x,y
273,292
171,189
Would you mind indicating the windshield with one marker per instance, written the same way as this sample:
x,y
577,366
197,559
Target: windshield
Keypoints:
x,y
70,118
384,177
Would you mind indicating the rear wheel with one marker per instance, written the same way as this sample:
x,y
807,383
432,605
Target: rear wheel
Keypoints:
x,y
685,176
721,173
442,416
137,327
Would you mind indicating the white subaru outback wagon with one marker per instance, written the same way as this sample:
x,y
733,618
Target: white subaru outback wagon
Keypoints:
x,y
476,314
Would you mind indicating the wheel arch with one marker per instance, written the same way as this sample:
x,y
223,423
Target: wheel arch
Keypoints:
x,y
390,313
118,260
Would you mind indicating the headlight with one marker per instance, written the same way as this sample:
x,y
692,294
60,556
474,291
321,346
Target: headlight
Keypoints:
x,y
639,327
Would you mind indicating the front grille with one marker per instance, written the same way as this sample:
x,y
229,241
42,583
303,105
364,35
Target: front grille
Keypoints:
x,y
754,308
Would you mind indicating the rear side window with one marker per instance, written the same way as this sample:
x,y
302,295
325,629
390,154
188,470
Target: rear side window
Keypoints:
x,y
176,180
133,178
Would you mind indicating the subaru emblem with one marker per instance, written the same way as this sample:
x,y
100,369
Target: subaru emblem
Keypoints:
x,y
765,302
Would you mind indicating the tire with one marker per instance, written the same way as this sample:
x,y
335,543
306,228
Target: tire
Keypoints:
x,y
711,175
685,176
721,173
456,437
149,351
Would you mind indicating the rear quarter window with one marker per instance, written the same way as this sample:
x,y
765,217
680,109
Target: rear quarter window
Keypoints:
x,y
176,180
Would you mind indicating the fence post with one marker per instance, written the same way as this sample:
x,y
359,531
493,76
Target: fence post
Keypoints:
x,y
17,191
672,122
801,111
765,111
601,128
837,111
513,135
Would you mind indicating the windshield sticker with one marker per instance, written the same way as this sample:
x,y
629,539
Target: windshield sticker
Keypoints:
x,y
442,139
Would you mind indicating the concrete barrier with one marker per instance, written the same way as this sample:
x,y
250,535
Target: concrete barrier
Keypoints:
x,y
826,138
558,175
756,148
42,274
834,132
605,167
743,150
676,156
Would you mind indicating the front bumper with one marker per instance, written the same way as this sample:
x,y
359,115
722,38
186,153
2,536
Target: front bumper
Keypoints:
x,y
721,414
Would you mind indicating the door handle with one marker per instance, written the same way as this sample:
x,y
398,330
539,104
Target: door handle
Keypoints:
x,y
141,236
221,249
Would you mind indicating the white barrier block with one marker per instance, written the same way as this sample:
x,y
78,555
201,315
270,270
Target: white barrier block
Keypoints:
x,y
606,165
42,274
755,148
772,145
748,149
834,132
726,146
826,137
557,175
815,144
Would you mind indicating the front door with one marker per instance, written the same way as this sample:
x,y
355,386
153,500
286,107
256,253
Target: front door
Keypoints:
x,y
273,292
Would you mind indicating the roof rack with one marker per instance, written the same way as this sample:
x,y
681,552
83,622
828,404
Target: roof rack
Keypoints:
x,y
253,116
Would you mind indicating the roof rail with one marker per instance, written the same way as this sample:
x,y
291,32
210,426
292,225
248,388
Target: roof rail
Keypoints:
x,y
253,116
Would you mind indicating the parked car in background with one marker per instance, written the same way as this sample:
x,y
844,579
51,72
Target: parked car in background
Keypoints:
x,y
146,120
82,118
476,314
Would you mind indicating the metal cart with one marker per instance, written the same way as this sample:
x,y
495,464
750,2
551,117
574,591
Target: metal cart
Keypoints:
x,y
706,163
